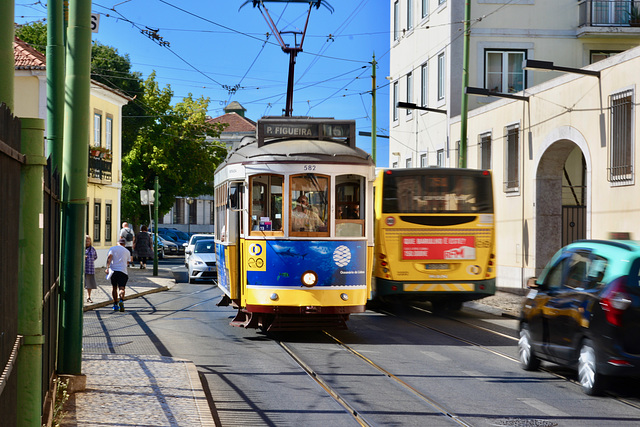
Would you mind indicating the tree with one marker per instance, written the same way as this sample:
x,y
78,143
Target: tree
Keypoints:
x,y
173,147
107,67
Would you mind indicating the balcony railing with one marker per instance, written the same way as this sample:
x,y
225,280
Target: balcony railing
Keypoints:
x,y
616,13
99,168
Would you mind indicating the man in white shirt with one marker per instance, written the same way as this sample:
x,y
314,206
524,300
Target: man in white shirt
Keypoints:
x,y
117,261
127,234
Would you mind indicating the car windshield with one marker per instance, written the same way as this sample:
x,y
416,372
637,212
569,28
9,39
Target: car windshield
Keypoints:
x,y
194,239
204,246
182,235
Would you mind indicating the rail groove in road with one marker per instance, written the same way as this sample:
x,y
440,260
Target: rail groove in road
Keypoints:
x,y
350,409
634,402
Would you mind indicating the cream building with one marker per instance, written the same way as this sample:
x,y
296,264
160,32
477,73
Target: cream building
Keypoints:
x,y
564,163
426,59
104,181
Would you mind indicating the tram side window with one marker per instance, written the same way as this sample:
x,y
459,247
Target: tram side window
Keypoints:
x,y
221,211
349,220
266,203
309,205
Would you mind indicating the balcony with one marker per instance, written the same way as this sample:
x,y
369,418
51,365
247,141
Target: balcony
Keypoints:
x,y
99,169
603,18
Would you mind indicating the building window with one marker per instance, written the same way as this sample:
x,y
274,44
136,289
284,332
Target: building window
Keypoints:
x,y
97,129
599,55
96,222
440,157
396,20
424,93
425,8
395,165
107,222
108,128
621,147
409,92
395,101
423,160
441,76
441,2
86,218
512,158
503,71
484,145
409,14
407,162
178,211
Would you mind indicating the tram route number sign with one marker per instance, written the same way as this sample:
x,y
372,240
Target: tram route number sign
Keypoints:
x,y
440,247
306,128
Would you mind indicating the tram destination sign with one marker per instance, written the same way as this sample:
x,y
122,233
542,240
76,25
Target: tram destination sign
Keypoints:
x,y
271,129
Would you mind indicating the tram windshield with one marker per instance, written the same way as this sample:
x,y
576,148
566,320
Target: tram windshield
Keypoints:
x,y
309,203
266,202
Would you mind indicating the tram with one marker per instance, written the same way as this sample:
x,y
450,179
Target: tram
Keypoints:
x,y
434,236
294,225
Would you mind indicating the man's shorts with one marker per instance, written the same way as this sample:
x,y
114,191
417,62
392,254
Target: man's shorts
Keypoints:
x,y
119,279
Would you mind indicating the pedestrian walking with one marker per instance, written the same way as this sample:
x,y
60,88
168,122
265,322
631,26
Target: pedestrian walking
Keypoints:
x,y
90,256
127,234
142,246
117,261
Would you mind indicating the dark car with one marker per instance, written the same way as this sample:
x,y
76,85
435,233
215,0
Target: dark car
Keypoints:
x,y
584,312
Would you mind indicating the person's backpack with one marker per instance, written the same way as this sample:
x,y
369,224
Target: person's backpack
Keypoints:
x,y
129,236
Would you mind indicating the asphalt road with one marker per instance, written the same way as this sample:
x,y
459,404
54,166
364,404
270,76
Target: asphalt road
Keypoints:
x,y
400,367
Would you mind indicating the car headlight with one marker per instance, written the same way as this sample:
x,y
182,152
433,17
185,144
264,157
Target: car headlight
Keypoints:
x,y
197,262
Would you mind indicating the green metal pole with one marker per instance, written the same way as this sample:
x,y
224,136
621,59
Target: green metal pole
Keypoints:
x,y
156,202
7,63
374,127
55,82
75,161
30,247
464,106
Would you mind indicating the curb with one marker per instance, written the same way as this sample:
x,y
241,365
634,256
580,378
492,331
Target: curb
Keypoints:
x,y
127,297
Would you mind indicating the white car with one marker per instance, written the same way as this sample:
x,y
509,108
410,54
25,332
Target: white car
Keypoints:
x,y
202,262
188,247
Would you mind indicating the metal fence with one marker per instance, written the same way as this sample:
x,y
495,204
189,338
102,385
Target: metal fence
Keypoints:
x,y
50,278
11,161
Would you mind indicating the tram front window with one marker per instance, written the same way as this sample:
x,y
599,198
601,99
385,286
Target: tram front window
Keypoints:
x,y
309,204
266,203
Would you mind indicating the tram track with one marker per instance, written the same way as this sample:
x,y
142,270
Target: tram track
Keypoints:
x,y
635,402
351,409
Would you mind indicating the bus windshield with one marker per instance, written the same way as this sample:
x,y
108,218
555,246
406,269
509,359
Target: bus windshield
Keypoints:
x,y
437,191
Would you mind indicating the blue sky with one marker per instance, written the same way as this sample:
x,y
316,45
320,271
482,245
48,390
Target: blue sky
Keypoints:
x,y
220,50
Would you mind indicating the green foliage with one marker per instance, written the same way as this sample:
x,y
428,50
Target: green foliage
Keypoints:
x,y
173,147
61,386
35,34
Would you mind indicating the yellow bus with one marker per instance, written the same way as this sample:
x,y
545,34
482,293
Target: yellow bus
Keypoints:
x,y
434,236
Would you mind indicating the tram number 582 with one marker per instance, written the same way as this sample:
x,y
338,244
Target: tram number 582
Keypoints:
x,y
309,167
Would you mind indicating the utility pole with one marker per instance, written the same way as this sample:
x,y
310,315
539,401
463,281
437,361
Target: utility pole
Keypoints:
x,y
55,82
75,162
464,106
7,62
374,129
156,195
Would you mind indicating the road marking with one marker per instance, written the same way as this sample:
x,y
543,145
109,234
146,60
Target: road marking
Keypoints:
x,y
435,356
543,407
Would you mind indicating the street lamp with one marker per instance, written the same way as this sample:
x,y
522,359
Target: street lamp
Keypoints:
x,y
486,92
189,202
533,64
412,106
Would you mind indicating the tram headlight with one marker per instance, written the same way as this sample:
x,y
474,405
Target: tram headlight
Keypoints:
x,y
309,278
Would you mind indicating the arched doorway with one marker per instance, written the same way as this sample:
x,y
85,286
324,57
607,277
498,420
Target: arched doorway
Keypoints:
x,y
561,197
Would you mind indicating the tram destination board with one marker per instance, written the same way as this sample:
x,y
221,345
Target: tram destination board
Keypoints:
x,y
275,128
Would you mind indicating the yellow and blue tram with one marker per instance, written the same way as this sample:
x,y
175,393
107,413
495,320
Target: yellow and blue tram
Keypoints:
x,y
294,225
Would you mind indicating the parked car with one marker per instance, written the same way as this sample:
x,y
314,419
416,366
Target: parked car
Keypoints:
x,y
177,236
188,247
168,247
584,312
202,262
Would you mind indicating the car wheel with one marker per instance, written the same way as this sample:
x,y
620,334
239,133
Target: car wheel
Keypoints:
x,y
528,360
590,380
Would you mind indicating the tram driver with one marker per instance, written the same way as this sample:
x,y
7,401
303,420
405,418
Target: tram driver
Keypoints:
x,y
304,218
